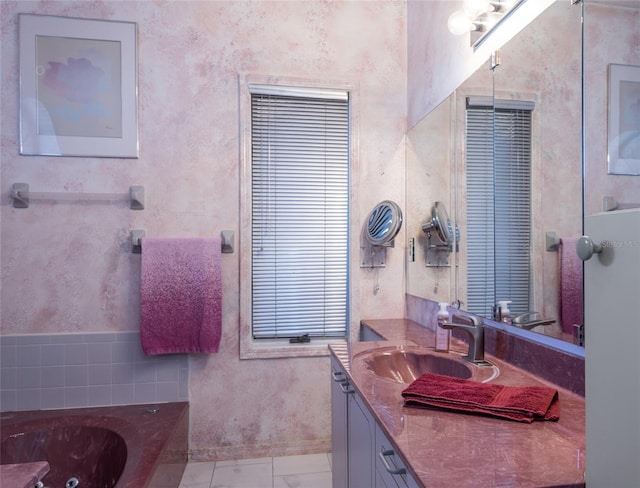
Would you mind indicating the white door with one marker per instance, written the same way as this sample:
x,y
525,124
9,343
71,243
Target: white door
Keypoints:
x,y
612,356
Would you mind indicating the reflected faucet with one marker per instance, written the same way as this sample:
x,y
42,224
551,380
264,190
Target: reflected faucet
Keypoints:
x,y
530,320
475,330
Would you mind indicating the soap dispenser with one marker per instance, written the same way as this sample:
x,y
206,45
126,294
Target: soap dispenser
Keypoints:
x,y
505,313
443,336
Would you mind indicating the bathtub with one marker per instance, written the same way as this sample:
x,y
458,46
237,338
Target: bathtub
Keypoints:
x,y
131,446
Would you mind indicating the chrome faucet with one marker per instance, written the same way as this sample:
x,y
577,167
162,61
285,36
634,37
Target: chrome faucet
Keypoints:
x,y
475,331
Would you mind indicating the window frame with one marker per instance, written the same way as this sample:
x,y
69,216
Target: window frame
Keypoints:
x,y
251,348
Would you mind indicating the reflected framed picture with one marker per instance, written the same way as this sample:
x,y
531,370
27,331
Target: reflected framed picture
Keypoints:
x,y
624,120
78,87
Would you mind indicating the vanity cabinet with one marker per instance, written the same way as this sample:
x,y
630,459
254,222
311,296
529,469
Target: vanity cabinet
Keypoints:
x,y
361,441
362,455
339,434
353,434
367,334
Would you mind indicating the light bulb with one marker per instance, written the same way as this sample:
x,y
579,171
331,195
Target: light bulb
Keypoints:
x,y
475,8
459,23
504,5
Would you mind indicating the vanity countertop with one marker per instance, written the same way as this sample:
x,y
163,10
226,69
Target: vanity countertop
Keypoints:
x,y
445,449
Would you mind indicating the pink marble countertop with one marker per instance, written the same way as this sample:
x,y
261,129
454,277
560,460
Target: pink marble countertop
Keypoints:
x,y
445,449
22,475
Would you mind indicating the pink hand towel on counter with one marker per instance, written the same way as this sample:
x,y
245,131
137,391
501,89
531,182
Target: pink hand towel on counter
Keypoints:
x,y
181,295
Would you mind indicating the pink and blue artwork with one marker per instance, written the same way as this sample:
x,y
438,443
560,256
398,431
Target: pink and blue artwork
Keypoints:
x,y
79,87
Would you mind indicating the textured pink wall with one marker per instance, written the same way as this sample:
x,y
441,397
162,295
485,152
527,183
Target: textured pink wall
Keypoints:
x,y
68,266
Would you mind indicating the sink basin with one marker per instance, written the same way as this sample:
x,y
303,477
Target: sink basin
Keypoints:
x,y
405,364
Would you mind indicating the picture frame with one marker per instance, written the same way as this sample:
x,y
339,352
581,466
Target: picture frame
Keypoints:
x,y
624,120
78,87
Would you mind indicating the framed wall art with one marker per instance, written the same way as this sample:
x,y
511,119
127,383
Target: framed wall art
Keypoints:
x,y
78,87
624,120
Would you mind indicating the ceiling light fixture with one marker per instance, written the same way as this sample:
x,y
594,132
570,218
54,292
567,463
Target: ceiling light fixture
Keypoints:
x,y
478,15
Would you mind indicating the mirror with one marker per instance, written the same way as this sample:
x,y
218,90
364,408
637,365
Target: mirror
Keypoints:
x,y
542,67
383,223
439,226
611,34
378,232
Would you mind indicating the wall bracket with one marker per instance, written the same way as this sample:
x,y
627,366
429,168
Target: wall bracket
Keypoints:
x,y
552,241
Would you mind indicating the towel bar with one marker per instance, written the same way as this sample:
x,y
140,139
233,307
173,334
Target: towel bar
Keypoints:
x,y
227,237
610,203
21,196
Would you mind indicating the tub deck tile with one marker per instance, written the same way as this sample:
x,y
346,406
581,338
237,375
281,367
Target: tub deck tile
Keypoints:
x,y
22,475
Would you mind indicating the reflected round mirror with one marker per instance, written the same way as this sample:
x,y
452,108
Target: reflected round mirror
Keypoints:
x,y
383,223
440,225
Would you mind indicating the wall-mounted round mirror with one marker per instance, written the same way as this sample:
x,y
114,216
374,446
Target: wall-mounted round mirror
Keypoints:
x,y
383,223
439,225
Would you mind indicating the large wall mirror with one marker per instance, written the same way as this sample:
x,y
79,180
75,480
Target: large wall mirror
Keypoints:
x,y
559,93
525,107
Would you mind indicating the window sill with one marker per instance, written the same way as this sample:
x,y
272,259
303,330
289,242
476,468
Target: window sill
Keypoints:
x,y
252,349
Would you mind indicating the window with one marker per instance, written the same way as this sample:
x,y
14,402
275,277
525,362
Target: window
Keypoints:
x,y
299,178
498,148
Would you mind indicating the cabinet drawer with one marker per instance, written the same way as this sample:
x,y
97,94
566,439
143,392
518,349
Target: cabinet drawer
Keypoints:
x,y
391,470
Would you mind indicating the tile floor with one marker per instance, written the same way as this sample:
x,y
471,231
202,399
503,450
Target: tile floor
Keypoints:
x,y
304,471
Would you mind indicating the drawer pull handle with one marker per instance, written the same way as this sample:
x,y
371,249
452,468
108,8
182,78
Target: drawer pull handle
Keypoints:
x,y
383,457
346,388
337,376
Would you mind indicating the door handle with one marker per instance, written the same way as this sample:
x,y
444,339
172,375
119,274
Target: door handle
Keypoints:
x,y
585,247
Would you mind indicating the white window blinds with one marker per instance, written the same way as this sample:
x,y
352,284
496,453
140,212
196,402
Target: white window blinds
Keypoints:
x,y
498,148
300,212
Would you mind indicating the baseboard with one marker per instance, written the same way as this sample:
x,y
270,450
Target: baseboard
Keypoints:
x,y
224,453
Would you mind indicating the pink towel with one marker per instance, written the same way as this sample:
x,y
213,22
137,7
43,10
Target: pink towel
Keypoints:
x,y
181,296
570,299
520,403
